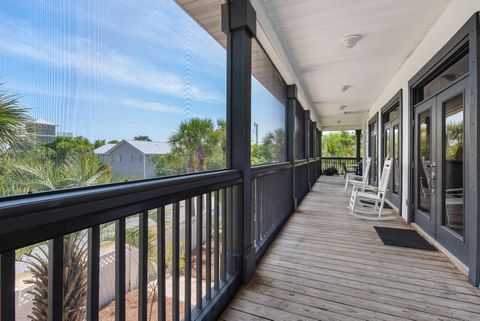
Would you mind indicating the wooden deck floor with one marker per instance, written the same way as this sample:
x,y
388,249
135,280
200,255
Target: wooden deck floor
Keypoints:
x,y
328,265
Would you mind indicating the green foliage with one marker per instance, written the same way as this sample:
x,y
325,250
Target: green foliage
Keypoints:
x,y
63,147
32,173
339,144
197,145
142,138
271,150
13,118
329,171
113,141
98,143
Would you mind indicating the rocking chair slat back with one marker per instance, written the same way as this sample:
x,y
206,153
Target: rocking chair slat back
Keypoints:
x,y
387,167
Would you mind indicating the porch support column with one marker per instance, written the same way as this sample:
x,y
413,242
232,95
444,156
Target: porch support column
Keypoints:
x,y
358,133
292,93
320,136
307,133
239,24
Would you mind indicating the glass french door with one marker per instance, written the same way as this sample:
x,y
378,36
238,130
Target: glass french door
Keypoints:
x,y
439,168
391,149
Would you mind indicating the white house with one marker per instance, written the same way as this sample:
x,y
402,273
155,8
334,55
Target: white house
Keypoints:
x,y
132,158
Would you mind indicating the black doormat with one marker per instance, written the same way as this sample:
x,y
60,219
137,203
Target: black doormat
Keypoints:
x,y
403,238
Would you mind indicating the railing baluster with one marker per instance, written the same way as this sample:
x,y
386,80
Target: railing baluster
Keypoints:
x,y
55,279
230,228
93,273
7,286
223,267
143,266
199,250
188,260
120,270
216,228
208,248
161,262
176,262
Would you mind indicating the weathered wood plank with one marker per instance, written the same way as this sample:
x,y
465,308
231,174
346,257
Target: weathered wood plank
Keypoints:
x,y
327,265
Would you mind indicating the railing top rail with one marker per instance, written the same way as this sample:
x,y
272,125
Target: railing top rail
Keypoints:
x,y
29,219
300,162
268,169
349,158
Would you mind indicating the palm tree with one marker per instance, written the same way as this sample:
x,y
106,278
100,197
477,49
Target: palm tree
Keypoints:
x,y
13,118
275,141
32,175
194,141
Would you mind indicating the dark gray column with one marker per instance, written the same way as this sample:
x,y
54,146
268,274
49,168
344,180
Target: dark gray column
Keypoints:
x,y
358,133
307,133
239,23
320,146
314,134
292,105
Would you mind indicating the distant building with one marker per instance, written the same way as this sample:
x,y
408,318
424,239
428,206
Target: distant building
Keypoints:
x,y
41,131
132,158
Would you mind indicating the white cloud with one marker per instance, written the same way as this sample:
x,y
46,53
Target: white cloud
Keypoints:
x,y
92,59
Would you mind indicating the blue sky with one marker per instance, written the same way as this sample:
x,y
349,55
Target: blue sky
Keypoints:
x,y
114,69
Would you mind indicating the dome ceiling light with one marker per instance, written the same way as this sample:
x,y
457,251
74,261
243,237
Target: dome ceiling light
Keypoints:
x,y
351,41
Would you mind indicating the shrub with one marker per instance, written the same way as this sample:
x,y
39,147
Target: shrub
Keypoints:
x,y
329,171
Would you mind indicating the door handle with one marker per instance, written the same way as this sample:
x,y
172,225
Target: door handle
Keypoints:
x,y
433,169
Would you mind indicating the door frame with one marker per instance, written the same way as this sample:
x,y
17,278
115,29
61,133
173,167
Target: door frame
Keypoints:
x,y
397,98
467,35
370,122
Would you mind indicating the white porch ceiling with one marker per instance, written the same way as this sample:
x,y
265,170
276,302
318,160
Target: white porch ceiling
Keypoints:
x,y
311,33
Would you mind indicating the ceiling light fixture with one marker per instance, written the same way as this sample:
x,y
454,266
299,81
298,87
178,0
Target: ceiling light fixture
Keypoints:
x,y
351,41
344,88
343,107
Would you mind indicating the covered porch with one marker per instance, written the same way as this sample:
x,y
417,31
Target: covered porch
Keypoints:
x,y
347,273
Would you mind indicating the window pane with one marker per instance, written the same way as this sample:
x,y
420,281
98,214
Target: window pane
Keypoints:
x,y
424,161
446,77
269,100
453,209
102,91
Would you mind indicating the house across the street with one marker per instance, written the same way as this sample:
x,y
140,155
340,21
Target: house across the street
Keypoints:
x,y
132,158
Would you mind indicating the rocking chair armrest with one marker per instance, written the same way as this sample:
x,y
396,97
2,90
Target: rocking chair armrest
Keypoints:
x,y
356,177
370,188
358,183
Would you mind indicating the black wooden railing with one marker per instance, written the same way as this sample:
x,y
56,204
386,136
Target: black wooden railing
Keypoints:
x,y
47,218
301,179
272,202
196,221
336,162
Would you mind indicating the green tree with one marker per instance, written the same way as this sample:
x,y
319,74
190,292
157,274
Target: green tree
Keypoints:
x,y
32,175
63,147
339,144
113,141
13,118
194,141
142,138
98,143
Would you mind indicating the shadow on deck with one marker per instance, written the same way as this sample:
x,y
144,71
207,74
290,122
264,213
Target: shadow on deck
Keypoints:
x,y
328,265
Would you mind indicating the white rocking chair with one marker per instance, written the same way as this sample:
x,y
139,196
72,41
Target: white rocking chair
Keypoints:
x,y
352,178
367,201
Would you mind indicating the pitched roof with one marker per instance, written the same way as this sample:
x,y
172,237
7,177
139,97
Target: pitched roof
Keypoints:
x,y
150,148
103,149
146,148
